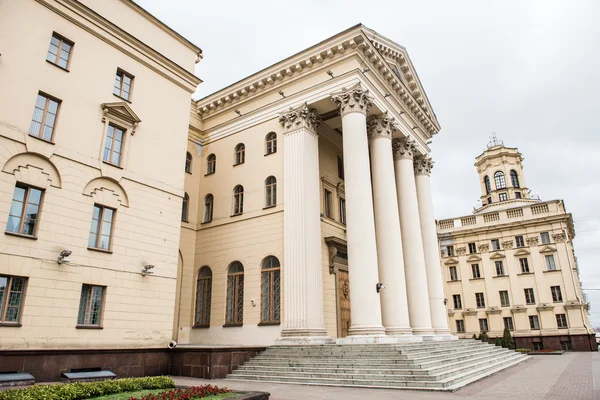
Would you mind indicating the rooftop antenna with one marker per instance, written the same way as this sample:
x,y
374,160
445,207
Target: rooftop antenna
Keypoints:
x,y
494,141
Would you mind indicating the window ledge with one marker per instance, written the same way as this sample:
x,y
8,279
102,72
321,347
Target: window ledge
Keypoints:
x,y
200,326
233,325
20,235
475,279
235,215
480,308
89,327
100,250
235,165
58,66
526,273
188,172
563,327
43,140
270,154
267,207
10,324
209,173
122,98
269,323
185,220
205,222
551,270
457,280
112,165
500,276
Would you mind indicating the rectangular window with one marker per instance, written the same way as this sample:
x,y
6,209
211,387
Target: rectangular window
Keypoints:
x,y
472,248
24,210
457,301
114,145
44,117
476,271
545,236
499,268
340,165
90,305
450,250
327,203
508,323
343,211
101,230
502,197
495,244
534,322
12,292
483,324
480,300
504,300
538,346
561,321
529,296
123,83
520,241
489,200
550,265
556,294
59,51
460,326
453,274
517,195
524,265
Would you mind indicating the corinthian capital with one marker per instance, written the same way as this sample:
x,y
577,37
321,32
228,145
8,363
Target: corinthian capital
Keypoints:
x,y
404,148
423,165
301,117
381,126
355,99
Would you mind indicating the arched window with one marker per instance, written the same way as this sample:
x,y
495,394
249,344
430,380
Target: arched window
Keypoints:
x,y
499,180
208,207
514,178
240,154
488,187
188,162
238,200
211,164
185,207
203,296
270,290
271,141
235,294
271,192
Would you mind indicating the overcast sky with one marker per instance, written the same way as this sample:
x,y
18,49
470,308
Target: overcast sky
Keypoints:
x,y
527,70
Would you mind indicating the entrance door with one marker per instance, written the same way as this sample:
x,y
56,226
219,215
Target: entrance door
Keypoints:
x,y
343,290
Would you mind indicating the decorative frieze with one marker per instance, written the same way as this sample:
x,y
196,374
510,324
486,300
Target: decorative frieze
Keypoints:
x,y
461,251
423,165
484,247
354,99
508,244
559,237
381,126
404,148
301,117
532,241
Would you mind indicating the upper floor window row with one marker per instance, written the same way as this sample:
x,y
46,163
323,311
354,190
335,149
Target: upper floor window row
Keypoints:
x,y
123,84
271,143
44,117
59,52
499,180
188,162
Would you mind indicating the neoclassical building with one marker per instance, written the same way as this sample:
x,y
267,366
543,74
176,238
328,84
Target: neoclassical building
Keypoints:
x,y
308,214
511,264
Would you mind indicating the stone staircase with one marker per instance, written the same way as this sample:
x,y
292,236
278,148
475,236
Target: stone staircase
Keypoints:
x,y
431,365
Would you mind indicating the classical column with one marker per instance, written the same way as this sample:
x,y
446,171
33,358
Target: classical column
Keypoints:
x,y
394,305
423,166
412,241
302,264
362,250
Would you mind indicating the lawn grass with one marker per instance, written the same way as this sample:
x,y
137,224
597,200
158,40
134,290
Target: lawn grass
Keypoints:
x,y
126,396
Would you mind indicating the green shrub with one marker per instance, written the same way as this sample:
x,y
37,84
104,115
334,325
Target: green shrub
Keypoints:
x,y
483,337
475,337
498,342
87,390
507,340
523,350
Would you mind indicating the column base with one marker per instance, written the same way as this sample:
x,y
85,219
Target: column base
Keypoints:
x,y
423,331
398,330
366,330
302,336
442,331
368,339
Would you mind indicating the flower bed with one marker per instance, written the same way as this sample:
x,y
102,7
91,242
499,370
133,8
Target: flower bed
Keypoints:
x,y
195,392
81,391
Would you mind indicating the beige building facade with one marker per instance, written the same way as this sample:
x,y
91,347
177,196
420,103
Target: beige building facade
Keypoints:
x,y
512,263
92,174
309,216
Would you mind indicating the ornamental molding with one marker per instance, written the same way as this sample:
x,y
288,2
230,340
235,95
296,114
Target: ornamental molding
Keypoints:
x,y
354,99
497,256
484,247
461,251
507,244
120,113
548,249
372,48
451,261
532,241
381,126
521,252
404,148
423,166
300,117
473,258
559,237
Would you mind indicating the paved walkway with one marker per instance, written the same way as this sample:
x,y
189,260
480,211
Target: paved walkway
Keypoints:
x,y
572,376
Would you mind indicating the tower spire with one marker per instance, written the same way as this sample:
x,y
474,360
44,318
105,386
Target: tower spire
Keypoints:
x,y
494,141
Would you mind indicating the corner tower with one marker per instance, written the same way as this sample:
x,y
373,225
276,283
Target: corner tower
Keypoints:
x,y
501,178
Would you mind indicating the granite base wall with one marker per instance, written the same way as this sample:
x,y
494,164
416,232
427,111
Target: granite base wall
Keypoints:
x,y
206,363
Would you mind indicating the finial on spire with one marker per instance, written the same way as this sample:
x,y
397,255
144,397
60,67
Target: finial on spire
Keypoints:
x,y
494,141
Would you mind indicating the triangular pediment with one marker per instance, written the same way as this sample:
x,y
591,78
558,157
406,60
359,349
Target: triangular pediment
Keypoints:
x,y
521,252
497,255
121,112
451,261
547,249
473,258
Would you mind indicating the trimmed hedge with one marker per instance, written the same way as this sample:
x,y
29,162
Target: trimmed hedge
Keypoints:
x,y
87,390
